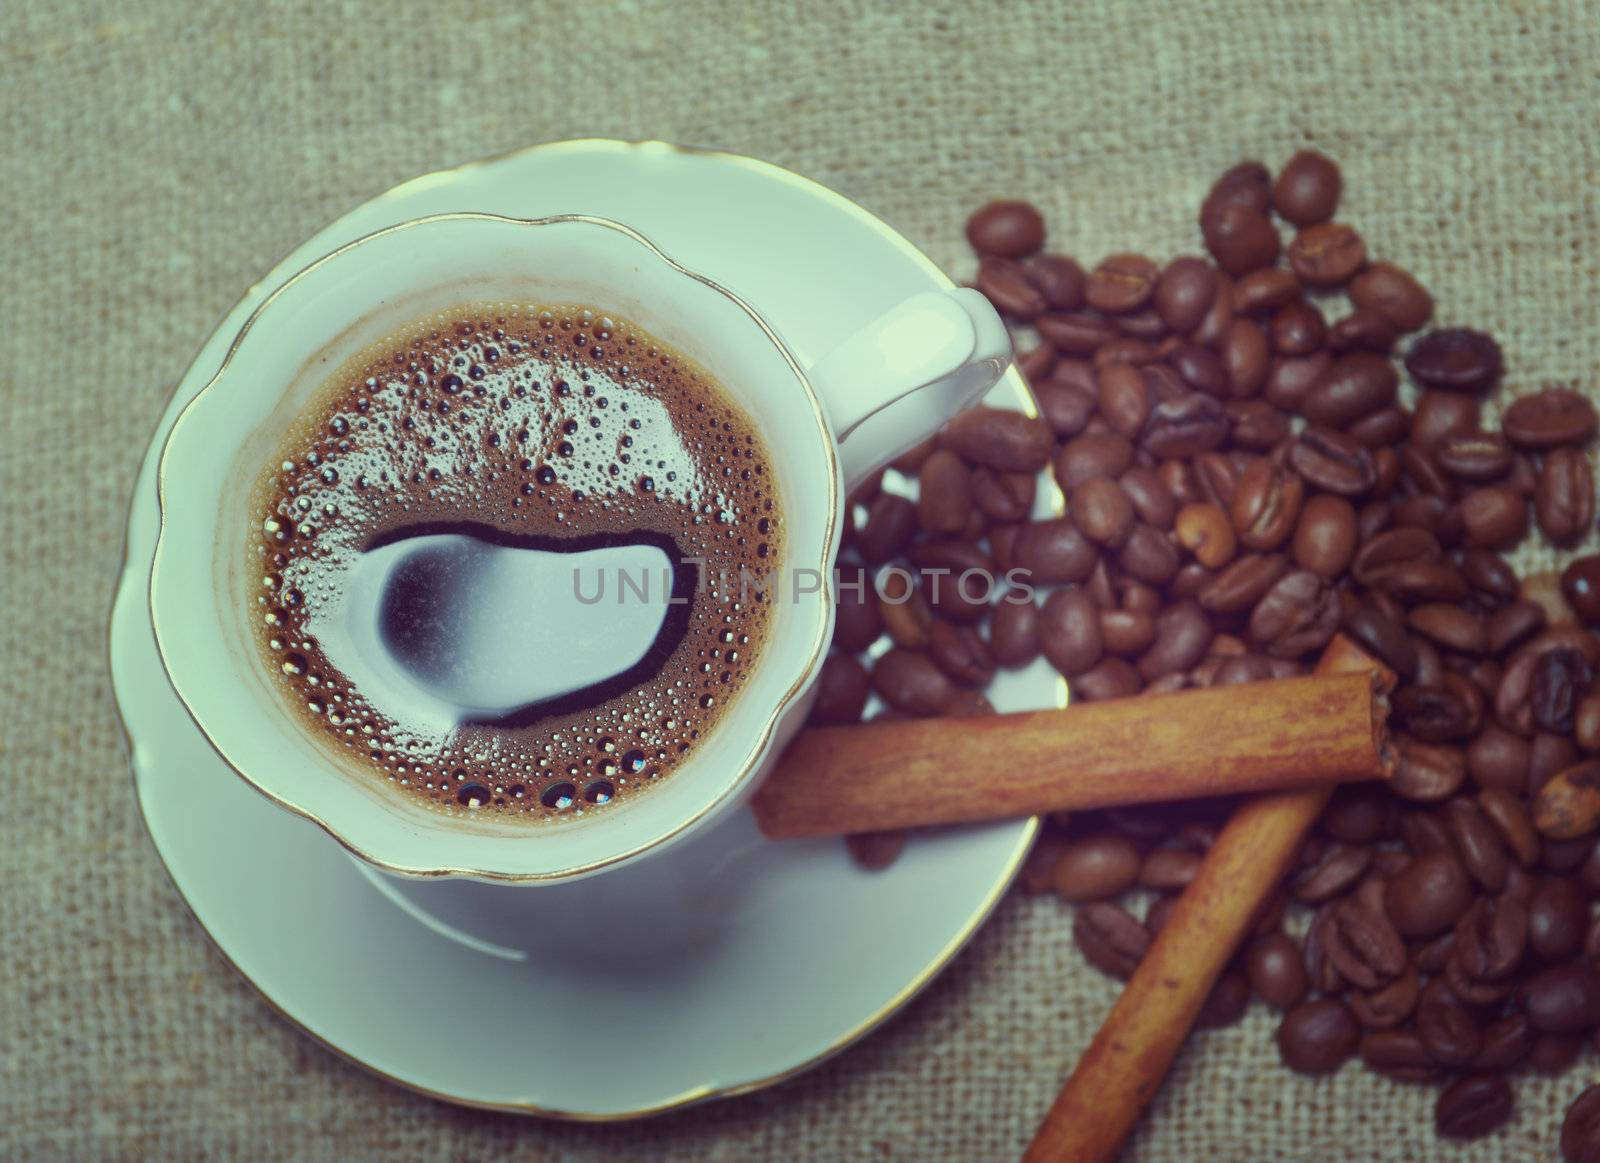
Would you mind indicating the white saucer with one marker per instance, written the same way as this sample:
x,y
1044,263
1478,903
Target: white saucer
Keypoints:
x,y
721,966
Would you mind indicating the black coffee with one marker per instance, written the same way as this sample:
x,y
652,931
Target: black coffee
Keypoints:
x,y
511,558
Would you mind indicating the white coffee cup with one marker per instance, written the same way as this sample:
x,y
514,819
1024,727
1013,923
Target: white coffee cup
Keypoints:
x,y
882,391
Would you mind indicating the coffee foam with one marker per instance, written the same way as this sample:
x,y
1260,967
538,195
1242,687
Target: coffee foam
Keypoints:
x,y
550,425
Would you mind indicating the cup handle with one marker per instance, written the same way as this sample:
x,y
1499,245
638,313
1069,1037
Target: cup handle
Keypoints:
x,y
947,347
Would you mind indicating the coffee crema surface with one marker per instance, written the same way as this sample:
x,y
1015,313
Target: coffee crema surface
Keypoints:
x,y
466,546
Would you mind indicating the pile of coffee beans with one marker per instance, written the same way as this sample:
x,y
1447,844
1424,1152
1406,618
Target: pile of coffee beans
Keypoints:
x,y
1259,447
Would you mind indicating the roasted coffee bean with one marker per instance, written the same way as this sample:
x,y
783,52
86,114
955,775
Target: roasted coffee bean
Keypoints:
x,y
1558,919
857,619
842,690
1436,713
1266,504
909,461
1562,999
1335,871
1003,496
1147,555
1247,184
1479,843
1167,869
1113,678
1240,238
1200,368
1245,355
1473,456
1093,454
1058,278
1005,284
944,498
1386,290
1122,283
1384,636
1256,424
1491,938
1362,331
1227,1002
1184,293
1096,867
1428,896
1511,626
1433,955
1580,586
909,680
1447,1028
1014,632
1326,255
1473,1105
1315,1037
1506,811
1008,229
1307,189
1275,971
1377,431
1297,615
890,525
1452,627
1183,633
1440,414
1426,772
1191,424
1356,814
1054,551
1290,379
1037,363
1065,407
1124,400
1265,290
1153,502
1388,1005
1563,500
1586,723
998,438
1240,586
1496,517
1333,462
961,652
1456,359
1506,1042
1109,938
1567,806
1549,754
1548,419
1206,532
1554,1053
1218,318
1491,579
1580,1130
1364,946
1327,535
1101,588
903,608
1069,631
1076,332
1354,386
1398,1054
1102,511
1218,476
1127,632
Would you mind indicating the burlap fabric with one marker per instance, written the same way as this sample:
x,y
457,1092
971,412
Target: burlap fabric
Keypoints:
x,y
155,159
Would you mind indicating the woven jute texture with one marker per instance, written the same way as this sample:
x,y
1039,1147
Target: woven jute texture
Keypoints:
x,y
155,159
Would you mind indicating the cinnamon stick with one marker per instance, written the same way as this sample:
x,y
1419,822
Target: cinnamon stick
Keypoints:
x,y
1299,732
1119,1073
